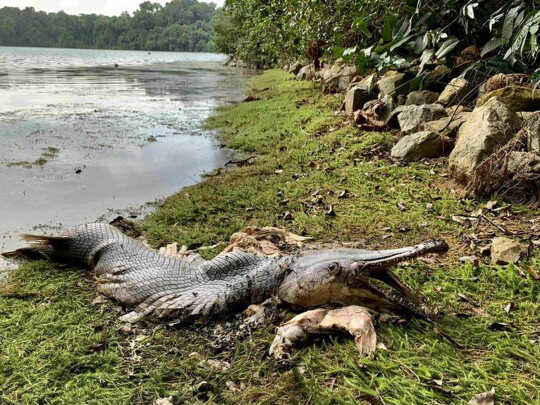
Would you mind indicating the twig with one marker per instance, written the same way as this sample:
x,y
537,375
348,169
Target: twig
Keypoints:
x,y
499,227
239,162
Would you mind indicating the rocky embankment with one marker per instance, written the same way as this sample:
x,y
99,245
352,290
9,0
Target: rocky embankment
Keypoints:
x,y
488,129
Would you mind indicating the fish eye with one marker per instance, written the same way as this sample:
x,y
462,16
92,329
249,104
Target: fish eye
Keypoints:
x,y
332,267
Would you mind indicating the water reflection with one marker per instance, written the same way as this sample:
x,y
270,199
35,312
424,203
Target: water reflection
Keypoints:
x,y
102,123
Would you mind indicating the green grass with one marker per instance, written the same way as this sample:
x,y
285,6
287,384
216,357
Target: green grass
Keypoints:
x,y
56,347
49,153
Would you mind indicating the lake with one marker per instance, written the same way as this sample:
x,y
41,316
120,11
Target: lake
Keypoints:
x,y
92,133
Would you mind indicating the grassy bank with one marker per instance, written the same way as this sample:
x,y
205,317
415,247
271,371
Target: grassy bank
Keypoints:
x,y
312,174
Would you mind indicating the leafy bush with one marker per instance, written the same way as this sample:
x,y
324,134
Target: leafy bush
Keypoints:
x,y
382,33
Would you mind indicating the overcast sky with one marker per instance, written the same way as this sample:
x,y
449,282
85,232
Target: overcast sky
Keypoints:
x,y
107,7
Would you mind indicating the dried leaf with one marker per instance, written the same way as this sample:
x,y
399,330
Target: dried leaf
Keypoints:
x,y
343,194
485,398
330,211
465,298
491,204
164,401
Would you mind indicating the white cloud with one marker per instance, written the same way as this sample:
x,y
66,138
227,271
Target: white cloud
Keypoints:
x,y
108,7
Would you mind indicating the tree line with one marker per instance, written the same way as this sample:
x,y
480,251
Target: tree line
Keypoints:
x,y
180,25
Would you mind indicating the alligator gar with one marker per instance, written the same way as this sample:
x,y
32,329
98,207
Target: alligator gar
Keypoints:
x,y
168,287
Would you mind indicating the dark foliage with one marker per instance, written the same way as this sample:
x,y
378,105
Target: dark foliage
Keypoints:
x,y
181,25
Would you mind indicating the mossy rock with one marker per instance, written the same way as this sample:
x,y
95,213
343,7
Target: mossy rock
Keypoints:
x,y
517,98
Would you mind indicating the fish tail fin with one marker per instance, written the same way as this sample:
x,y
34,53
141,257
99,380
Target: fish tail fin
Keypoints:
x,y
42,246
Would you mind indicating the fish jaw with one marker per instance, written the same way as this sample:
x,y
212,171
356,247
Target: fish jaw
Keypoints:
x,y
342,276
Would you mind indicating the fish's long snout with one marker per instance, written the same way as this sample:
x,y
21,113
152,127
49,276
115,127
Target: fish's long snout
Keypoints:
x,y
378,267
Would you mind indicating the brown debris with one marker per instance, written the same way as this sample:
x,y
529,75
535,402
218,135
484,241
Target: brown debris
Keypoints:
x,y
263,241
372,117
352,319
501,80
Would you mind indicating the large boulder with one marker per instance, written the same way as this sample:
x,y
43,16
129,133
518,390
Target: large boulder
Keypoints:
x,y
420,97
532,127
454,92
356,98
425,144
295,68
515,97
411,118
448,126
306,73
390,82
486,129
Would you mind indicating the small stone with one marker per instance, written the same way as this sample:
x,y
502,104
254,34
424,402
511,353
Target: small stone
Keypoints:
x,y
470,259
454,92
306,73
507,251
295,68
421,97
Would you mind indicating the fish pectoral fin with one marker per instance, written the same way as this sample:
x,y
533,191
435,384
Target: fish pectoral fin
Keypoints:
x,y
353,319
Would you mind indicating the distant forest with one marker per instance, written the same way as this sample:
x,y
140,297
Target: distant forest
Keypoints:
x,y
181,25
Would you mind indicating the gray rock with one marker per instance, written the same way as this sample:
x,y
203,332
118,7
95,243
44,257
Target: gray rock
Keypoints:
x,y
389,106
532,128
355,99
454,92
369,83
411,118
346,76
425,144
523,163
505,250
447,126
515,97
486,128
295,68
420,97
306,73
389,83
436,78
339,76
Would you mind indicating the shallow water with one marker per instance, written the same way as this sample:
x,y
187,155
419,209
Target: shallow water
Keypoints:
x,y
80,138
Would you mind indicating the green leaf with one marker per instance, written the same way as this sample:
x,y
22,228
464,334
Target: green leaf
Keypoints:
x,y
447,47
492,44
426,57
401,42
508,26
389,24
